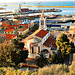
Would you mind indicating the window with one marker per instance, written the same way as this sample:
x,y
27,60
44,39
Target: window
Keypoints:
x,y
32,50
38,49
21,33
42,22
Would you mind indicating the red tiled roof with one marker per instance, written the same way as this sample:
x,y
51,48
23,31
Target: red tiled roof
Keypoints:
x,y
9,30
71,29
26,25
5,23
24,48
10,26
41,33
9,36
15,25
50,41
0,35
25,10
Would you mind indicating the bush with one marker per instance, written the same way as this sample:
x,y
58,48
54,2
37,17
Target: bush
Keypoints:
x,y
52,70
12,71
12,55
72,67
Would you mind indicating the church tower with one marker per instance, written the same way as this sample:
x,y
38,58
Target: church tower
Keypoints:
x,y
42,22
74,40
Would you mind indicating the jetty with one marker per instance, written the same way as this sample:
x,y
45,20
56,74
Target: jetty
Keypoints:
x,y
6,13
2,8
44,6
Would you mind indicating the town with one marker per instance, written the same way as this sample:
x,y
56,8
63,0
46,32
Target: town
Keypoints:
x,y
33,41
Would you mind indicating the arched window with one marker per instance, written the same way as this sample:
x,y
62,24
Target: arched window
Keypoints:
x,y
38,49
32,50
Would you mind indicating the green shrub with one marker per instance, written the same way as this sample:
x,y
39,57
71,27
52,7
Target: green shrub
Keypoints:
x,y
12,71
72,68
52,70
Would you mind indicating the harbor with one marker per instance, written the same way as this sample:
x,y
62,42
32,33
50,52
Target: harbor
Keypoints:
x,y
37,38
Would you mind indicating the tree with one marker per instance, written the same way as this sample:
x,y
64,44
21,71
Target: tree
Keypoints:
x,y
21,45
14,41
64,48
63,45
53,59
19,56
41,61
11,56
5,57
17,45
35,27
73,48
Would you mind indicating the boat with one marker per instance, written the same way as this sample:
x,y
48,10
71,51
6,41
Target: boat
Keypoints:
x,y
69,15
57,10
64,20
26,10
52,16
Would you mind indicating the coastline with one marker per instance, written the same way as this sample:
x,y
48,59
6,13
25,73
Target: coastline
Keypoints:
x,y
44,6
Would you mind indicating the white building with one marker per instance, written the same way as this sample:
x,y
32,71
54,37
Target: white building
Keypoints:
x,y
40,40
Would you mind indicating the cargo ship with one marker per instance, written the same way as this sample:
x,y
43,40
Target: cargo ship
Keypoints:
x,y
27,10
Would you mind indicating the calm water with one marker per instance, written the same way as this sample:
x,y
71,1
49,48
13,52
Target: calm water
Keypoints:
x,y
65,11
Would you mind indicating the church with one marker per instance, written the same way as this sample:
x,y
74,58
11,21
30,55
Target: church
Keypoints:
x,y
41,40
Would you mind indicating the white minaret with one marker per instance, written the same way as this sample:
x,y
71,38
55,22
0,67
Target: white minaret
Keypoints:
x,y
42,22
74,40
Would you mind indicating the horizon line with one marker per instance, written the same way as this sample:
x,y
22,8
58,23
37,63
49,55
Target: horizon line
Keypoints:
x,y
38,1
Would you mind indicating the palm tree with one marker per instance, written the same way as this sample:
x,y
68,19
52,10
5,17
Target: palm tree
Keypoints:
x,y
41,60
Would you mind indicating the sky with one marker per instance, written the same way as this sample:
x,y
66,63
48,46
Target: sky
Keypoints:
x,y
30,0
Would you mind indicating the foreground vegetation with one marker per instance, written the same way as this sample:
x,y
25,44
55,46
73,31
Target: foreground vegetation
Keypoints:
x,y
12,54
64,49
57,69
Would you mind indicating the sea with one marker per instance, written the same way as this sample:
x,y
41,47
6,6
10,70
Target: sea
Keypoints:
x,y
65,11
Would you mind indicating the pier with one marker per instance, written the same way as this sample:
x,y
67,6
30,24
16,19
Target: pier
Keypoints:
x,y
44,6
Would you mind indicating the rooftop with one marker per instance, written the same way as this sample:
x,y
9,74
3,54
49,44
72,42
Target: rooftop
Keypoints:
x,y
22,29
12,26
6,37
26,25
50,42
9,30
42,33
9,36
